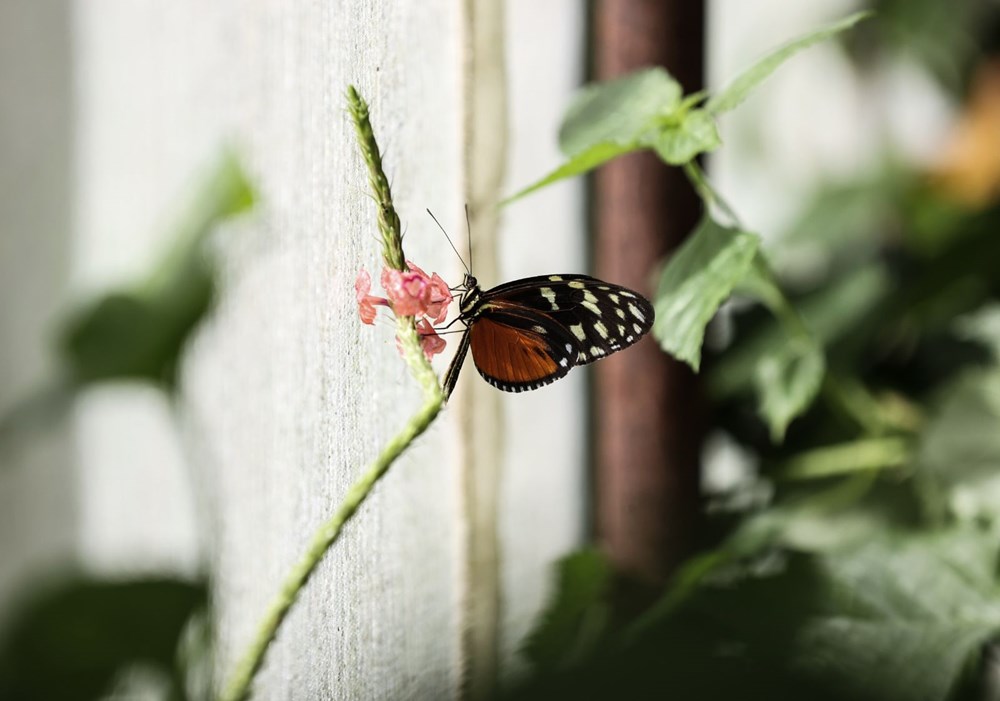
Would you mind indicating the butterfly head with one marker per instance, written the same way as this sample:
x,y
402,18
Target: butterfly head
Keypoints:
x,y
470,294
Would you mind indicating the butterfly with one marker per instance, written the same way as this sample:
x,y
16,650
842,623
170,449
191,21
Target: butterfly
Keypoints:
x,y
529,333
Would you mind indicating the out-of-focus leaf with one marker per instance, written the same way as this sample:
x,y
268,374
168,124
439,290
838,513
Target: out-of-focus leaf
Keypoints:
x,y
581,163
619,111
982,326
738,90
906,617
840,224
893,619
846,458
787,380
695,281
942,36
694,134
788,375
70,643
959,449
828,313
139,333
577,613
831,515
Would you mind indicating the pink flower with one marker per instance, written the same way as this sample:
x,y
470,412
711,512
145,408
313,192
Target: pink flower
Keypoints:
x,y
440,295
367,302
430,342
429,339
413,293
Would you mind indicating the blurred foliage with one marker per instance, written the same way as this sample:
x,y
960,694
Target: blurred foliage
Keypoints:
x,y
73,641
856,557
948,38
138,332
894,619
81,638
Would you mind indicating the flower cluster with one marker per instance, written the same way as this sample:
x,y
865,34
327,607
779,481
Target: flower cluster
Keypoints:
x,y
410,293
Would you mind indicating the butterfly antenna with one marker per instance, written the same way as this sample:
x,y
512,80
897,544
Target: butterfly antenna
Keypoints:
x,y
449,241
468,230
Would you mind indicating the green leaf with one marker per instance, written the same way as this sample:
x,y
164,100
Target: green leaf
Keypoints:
x,y
846,458
138,333
577,165
696,280
696,133
894,618
787,380
959,449
576,615
983,327
71,642
619,111
830,313
738,90
906,617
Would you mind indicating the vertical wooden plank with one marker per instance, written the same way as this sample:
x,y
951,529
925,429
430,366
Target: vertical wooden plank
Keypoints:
x,y
286,396
646,405
477,404
546,457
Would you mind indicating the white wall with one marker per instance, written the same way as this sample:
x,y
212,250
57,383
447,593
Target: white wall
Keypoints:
x,y
37,486
287,396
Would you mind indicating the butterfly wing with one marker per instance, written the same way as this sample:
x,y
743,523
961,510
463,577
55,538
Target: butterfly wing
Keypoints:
x,y
599,317
516,348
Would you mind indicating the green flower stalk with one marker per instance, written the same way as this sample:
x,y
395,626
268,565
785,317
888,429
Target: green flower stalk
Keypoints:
x,y
413,353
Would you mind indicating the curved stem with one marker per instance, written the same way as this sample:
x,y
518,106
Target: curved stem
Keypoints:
x,y
434,399
239,685
709,194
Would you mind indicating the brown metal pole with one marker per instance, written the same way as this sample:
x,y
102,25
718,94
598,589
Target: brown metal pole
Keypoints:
x,y
647,407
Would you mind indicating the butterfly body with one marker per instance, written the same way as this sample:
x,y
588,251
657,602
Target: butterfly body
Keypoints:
x,y
528,333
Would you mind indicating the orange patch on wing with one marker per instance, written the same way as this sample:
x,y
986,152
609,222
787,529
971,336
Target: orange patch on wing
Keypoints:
x,y
513,356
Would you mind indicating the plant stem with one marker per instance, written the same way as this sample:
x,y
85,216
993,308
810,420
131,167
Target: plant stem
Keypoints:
x,y
388,220
709,194
239,685
392,252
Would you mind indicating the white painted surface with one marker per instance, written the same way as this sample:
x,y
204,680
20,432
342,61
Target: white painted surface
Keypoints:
x,y
287,396
545,479
37,486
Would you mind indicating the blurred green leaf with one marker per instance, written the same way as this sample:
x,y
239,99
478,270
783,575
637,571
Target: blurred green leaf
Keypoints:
x,y
893,619
619,111
788,375
830,312
581,163
840,224
787,380
959,449
71,642
846,458
696,280
983,327
676,144
831,515
905,616
945,37
139,333
738,90
576,615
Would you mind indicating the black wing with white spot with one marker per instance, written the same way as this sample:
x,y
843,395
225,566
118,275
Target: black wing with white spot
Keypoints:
x,y
602,318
